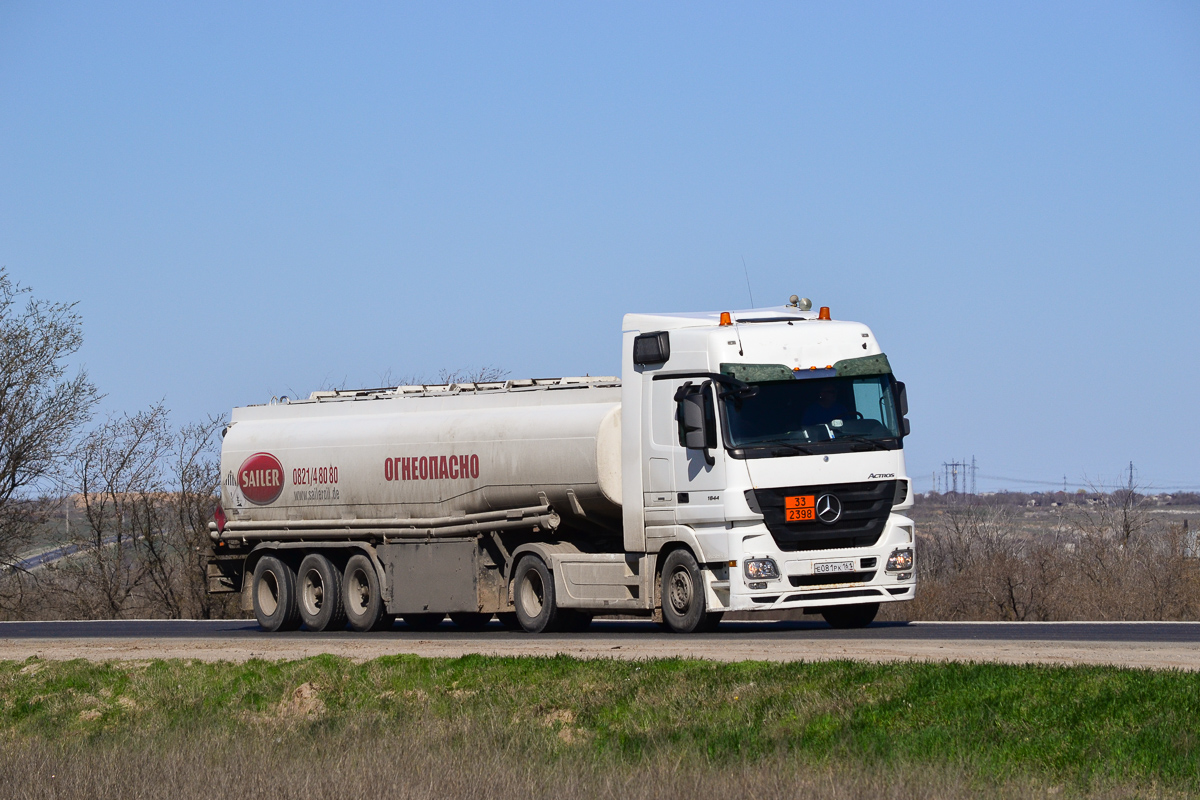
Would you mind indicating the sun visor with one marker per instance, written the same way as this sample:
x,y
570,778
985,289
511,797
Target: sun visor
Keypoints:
x,y
846,368
757,373
867,365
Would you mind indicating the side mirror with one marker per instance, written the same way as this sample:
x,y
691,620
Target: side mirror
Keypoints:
x,y
697,418
652,348
902,407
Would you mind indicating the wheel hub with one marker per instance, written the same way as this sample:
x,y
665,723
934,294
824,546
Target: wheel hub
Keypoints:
x,y
314,593
680,591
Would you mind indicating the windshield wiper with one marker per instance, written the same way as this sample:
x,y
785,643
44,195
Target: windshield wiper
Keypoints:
x,y
778,443
854,437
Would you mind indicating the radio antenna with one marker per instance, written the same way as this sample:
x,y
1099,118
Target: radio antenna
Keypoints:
x,y
748,290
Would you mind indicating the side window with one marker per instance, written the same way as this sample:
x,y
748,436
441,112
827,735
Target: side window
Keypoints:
x,y
867,397
873,399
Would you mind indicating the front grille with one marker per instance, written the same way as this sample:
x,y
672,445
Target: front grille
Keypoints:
x,y
865,509
831,579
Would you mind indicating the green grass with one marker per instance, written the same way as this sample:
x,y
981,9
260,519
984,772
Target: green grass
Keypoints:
x,y
1083,728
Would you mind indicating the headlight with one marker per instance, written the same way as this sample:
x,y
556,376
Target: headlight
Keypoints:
x,y
900,560
761,569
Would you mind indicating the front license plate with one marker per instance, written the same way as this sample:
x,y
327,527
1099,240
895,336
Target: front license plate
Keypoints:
x,y
800,508
833,566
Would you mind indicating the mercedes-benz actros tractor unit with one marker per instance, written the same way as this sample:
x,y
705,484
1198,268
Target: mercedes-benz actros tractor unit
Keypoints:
x,y
745,461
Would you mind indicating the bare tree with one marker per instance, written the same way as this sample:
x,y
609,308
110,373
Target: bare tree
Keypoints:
x,y
41,409
176,555
974,564
118,470
484,374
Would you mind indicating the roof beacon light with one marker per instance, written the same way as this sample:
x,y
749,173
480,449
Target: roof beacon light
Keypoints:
x,y
824,313
726,319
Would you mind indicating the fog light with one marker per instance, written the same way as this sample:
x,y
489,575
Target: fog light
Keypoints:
x,y
757,585
761,569
900,560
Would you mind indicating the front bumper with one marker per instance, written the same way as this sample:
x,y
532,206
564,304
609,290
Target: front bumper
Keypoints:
x,y
801,587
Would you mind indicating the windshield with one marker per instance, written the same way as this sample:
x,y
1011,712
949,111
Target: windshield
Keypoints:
x,y
812,411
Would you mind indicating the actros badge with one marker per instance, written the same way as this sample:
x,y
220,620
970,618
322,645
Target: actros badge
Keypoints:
x,y
829,509
260,477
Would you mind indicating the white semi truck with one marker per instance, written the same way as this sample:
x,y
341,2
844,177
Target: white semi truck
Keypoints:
x,y
744,461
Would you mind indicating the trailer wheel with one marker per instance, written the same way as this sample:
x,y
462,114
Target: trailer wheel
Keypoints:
x,y
682,593
360,594
319,589
856,616
423,621
533,595
470,621
274,591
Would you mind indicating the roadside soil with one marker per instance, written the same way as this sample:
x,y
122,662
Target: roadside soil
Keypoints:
x,y
1121,654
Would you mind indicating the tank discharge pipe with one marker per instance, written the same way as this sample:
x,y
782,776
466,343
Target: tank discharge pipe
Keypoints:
x,y
403,528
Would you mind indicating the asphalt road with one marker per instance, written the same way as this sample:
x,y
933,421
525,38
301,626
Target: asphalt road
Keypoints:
x,y
247,631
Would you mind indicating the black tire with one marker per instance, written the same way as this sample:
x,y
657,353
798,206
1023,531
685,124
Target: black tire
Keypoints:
x,y
319,594
856,616
683,606
509,620
361,595
469,621
274,592
533,595
423,621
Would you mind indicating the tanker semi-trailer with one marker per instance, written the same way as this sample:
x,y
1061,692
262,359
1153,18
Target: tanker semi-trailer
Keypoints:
x,y
744,461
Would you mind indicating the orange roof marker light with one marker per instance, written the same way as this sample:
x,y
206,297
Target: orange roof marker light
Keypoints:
x,y
726,319
824,313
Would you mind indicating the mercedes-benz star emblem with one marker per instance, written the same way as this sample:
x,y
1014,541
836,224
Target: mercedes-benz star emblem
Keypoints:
x,y
829,509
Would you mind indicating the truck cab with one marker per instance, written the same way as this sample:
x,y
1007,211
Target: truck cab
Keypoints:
x,y
769,444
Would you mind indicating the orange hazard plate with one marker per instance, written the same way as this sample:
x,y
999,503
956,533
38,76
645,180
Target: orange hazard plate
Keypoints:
x,y
800,508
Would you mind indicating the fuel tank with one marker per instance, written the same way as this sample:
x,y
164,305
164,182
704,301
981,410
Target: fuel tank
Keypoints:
x,y
422,452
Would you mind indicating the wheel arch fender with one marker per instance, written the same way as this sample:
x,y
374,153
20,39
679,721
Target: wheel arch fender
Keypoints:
x,y
686,540
683,536
546,551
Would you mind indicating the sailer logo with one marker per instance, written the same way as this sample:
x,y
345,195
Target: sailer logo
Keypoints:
x,y
261,478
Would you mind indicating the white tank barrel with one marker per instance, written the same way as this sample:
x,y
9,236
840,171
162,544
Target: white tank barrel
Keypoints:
x,y
428,458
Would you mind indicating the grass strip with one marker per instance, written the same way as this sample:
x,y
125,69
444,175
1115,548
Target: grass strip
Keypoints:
x,y
1085,728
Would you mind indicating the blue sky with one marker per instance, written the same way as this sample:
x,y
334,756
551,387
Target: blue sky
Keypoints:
x,y
253,199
